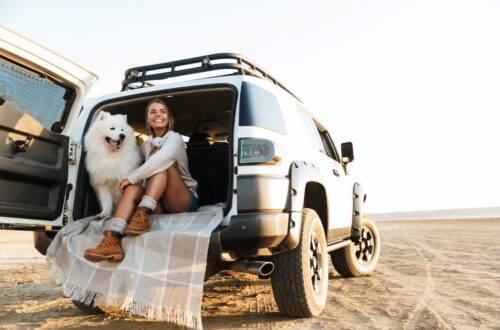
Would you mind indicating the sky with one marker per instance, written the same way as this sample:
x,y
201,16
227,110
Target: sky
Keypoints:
x,y
415,85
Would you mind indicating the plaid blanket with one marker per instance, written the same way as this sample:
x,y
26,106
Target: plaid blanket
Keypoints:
x,y
161,276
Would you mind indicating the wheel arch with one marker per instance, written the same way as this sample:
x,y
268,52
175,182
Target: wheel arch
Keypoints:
x,y
315,198
358,200
307,189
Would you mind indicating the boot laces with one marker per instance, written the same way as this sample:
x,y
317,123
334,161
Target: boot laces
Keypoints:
x,y
139,217
107,241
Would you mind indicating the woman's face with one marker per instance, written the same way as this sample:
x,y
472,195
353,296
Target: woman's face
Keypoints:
x,y
158,116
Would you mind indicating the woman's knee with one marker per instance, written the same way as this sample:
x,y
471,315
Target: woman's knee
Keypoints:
x,y
159,176
133,191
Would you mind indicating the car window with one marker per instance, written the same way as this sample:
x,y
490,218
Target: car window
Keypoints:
x,y
40,97
260,108
330,149
312,131
326,144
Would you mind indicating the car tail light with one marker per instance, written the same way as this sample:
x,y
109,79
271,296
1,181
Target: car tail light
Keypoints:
x,y
256,151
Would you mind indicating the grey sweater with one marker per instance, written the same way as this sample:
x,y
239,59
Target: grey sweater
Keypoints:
x,y
172,151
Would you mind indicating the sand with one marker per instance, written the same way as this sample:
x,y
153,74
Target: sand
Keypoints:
x,y
432,274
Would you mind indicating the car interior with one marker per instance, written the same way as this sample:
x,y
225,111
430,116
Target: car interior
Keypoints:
x,y
204,117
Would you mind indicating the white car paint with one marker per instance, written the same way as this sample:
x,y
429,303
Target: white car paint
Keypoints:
x,y
294,146
33,55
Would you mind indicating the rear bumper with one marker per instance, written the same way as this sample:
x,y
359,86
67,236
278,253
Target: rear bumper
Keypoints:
x,y
249,235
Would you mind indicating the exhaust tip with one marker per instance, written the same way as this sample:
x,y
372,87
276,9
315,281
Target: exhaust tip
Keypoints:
x,y
261,268
266,269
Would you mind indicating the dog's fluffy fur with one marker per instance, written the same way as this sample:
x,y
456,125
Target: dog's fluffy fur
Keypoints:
x,y
112,154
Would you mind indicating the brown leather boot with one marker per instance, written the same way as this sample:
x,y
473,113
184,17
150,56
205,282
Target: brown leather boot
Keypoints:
x,y
110,248
138,222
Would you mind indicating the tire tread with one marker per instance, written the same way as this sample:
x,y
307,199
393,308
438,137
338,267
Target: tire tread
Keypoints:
x,y
288,285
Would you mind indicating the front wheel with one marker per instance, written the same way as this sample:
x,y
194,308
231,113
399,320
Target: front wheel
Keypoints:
x,y
300,278
361,257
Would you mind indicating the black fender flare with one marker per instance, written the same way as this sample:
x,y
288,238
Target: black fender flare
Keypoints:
x,y
358,200
301,172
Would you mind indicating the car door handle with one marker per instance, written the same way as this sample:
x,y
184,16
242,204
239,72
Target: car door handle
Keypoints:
x,y
20,145
336,172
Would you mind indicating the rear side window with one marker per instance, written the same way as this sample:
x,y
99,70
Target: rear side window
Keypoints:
x,y
39,96
312,130
260,108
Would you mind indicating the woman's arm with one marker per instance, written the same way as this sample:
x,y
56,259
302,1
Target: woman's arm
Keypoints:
x,y
159,161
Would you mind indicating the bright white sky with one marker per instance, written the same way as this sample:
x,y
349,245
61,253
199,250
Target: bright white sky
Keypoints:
x,y
414,84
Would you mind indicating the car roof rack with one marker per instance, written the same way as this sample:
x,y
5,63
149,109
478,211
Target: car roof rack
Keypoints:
x,y
212,62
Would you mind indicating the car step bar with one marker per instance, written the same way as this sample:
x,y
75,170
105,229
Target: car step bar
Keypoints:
x,y
338,245
261,268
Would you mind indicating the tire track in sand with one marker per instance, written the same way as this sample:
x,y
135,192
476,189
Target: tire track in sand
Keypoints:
x,y
417,312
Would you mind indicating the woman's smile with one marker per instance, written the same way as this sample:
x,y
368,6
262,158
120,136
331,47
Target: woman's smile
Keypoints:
x,y
158,118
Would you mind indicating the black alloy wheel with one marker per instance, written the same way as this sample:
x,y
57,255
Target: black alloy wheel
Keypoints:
x,y
365,246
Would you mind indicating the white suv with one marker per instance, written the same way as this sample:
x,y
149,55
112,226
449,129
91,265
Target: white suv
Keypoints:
x,y
253,148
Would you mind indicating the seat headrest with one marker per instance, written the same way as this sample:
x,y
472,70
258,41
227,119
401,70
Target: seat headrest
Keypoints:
x,y
198,139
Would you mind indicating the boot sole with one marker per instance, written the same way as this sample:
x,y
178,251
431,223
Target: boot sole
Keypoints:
x,y
99,257
134,232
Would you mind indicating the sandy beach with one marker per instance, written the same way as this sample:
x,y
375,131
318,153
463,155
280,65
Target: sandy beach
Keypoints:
x,y
432,274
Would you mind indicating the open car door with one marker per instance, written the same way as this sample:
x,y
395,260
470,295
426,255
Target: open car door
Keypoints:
x,y
40,96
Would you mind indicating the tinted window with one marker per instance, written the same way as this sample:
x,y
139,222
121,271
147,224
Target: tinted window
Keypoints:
x,y
260,108
328,144
39,96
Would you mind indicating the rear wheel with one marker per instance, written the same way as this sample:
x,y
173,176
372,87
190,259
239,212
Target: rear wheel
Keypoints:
x,y
361,257
88,309
300,278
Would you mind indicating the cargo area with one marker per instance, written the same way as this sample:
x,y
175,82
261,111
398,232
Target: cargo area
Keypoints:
x,y
204,118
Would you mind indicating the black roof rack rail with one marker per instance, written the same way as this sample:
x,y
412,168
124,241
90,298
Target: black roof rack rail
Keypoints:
x,y
242,66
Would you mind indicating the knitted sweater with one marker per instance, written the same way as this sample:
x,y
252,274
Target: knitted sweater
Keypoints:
x,y
172,151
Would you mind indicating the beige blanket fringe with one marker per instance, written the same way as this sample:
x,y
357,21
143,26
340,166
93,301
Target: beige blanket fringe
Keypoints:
x,y
161,277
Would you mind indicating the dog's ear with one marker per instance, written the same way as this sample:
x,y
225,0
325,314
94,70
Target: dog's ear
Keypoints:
x,y
103,115
125,118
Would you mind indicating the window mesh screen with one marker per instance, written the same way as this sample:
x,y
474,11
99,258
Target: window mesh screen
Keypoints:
x,y
41,98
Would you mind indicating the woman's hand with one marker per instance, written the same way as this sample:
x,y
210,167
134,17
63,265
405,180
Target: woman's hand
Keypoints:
x,y
123,184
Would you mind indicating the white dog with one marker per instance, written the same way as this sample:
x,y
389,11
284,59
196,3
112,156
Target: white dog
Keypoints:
x,y
112,154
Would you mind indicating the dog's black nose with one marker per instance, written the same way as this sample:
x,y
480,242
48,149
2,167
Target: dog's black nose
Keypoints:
x,y
122,136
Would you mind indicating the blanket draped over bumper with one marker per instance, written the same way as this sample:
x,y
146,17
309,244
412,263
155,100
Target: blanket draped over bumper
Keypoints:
x,y
161,276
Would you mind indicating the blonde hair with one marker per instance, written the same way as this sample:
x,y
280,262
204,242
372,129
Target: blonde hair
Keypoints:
x,y
169,113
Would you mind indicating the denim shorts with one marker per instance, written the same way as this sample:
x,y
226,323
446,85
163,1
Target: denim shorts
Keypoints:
x,y
193,204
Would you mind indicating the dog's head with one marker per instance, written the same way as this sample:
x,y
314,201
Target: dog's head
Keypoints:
x,y
112,130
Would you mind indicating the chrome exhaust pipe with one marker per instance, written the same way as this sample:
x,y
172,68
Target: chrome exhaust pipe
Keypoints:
x,y
262,268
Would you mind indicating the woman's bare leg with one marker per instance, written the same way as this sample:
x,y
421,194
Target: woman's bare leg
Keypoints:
x,y
157,185
170,186
177,195
128,202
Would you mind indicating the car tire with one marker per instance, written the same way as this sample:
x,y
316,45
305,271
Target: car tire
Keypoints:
x,y
361,257
300,277
88,309
42,240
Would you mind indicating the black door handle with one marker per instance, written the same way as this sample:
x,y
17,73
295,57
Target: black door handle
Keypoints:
x,y
20,145
335,172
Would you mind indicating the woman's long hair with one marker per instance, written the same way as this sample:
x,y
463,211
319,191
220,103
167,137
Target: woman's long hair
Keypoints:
x,y
170,117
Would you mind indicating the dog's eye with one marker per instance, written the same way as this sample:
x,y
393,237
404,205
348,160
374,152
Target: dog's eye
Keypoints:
x,y
122,129
112,128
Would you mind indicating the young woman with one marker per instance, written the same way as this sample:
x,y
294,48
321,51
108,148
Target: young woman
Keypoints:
x,y
164,178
